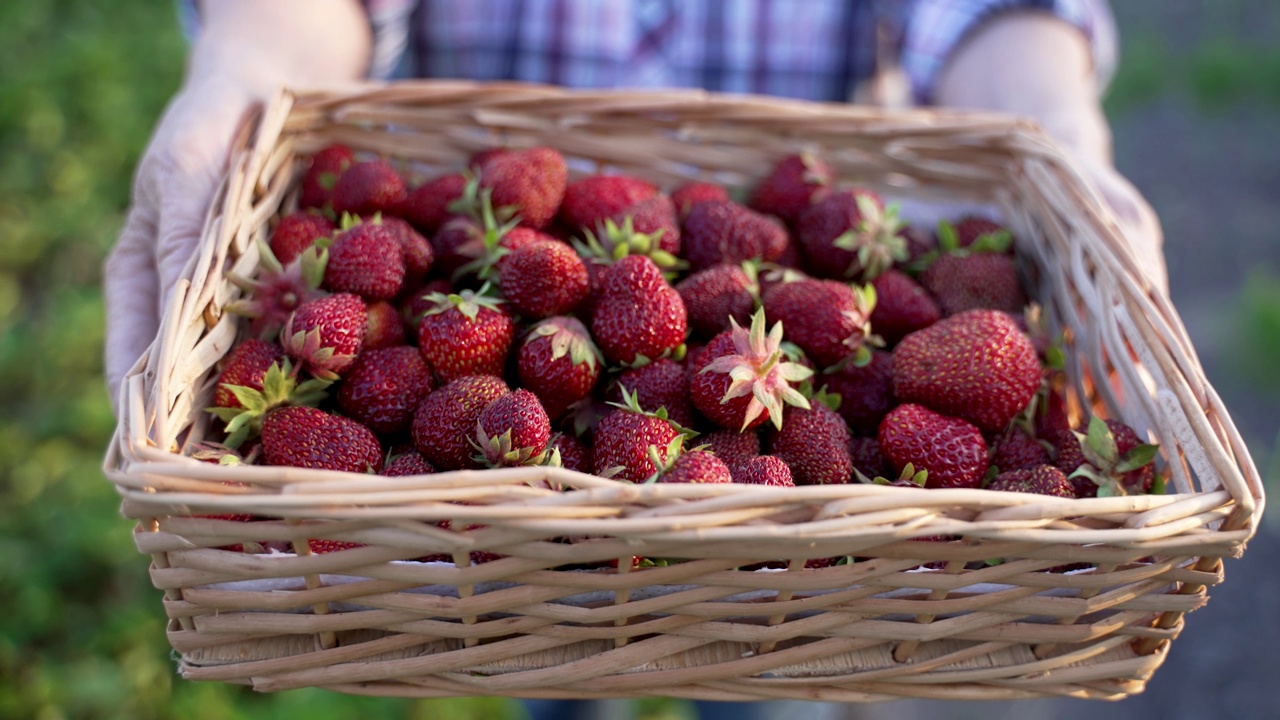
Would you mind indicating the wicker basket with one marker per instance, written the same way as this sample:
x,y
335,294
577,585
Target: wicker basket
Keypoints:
x,y
371,620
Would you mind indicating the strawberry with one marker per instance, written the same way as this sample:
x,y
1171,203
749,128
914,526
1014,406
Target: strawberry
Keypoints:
x,y
902,306
544,278
558,362
321,547
1038,480
654,217
427,206
309,438
246,366
457,242
693,193
660,384
254,393
623,439
971,228
868,458
973,281
638,313
384,387
465,334
574,454
829,320
814,443
445,420
764,470
416,305
1016,450
742,378
276,291
406,464
733,447
383,326
513,430
324,335
296,232
722,231
794,184
1108,459
367,260
921,244
976,365
322,175
950,449
850,234
590,201
368,188
418,254
530,182
694,466
866,392
714,296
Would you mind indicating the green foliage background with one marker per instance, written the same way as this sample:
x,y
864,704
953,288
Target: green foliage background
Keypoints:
x,y
81,629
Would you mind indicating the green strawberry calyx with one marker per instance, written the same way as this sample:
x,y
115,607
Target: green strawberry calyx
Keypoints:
x,y
467,302
280,387
615,241
909,477
1103,463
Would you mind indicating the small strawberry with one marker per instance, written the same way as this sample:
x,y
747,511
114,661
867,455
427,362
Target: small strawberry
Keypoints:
x,y
296,232
795,183
254,393
1109,459
866,392
714,296
407,464
590,201
543,279
418,254
465,334
322,175
976,365
1038,480
513,430
427,206
324,335
829,320
445,421
1016,450
981,275
574,454
950,449
530,182
366,260
851,234
693,466
309,438
742,379
369,188
902,306
814,443
558,362
623,438
637,314
733,447
384,327
384,387
868,458
693,193
722,231
663,383
764,470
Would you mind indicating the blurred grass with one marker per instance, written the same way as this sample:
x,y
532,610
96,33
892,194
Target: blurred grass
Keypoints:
x,y
81,628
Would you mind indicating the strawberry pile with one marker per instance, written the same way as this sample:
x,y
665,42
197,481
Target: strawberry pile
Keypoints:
x,y
506,315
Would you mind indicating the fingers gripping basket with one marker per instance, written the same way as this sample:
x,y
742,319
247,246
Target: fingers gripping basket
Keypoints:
x,y
373,620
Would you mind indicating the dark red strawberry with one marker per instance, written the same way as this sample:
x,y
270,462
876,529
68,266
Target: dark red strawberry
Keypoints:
x,y
322,175
427,206
369,188
866,392
590,201
309,438
972,281
850,234
384,327
663,383
513,430
695,466
715,295
465,334
558,362
1107,458
246,366
950,449
445,421
829,320
529,182
406,464
623,439
743,379
324,335
1016,450
574,454
921,244
764,470
384,388
868,458
250,395
320,547
902,306
970,228
1051,419
417,304
814,443
296,232
976,365
1038,480
722,231
690,194
637,313
544,278
654,217
796,182
733,447
416,249
366,260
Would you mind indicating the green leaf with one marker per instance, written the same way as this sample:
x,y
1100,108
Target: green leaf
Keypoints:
x,y
1055,358
1100,445
1139,456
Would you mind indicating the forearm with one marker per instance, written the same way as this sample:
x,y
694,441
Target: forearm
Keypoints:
x,y
1033,64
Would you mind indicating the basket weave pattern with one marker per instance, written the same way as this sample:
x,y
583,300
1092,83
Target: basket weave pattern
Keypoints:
x,y
532,624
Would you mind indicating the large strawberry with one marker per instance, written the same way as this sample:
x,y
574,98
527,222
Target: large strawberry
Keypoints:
x,y
322,175
794,184
623,439
1108,459
722,231
716,295
465,334
866,392
902,306
637,314
368,188
445,422
544,278
829,320
296,232
309,438
742,378
324,335
384,388
513,430
592,200
366,259
558,362
814,443
850,234
976,365
950,449
427,206
663,383
530,183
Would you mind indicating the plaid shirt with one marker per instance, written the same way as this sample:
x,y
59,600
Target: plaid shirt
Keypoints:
x,y
811,49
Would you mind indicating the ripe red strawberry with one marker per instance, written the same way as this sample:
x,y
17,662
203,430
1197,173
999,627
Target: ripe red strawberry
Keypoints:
x,y
405,464
796,183
695,466
866,392
416,249
296,232
851,234
367,260
309,438
715,295
902,306
693,193
246,365
558,362
1038,480
827,319
637,313
322,175
976,365
764,470
661,384
970,228
320,547
253,394
743,379
445,421
368,188
383,326
324,335
574,454
868,458
384,388
465,334
623,439
814,443
722,231
427,206
590,201
1108,458
976,280
1016,450
544,278
513,430
532,182
733,447
950,449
